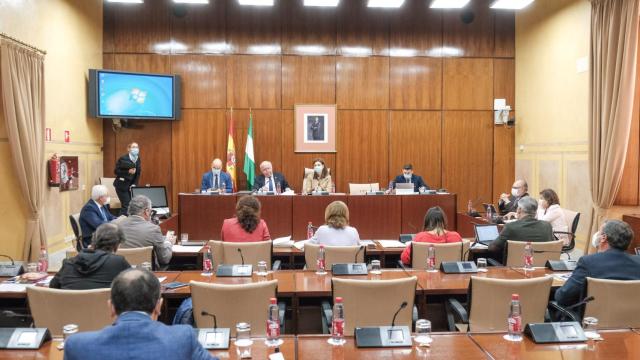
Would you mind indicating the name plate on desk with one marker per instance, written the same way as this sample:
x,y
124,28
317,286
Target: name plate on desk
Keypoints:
x,y
192,243
557,332
561,265
319,193
379,192
383,336
234,270
23,338
217,338
349,269
458,267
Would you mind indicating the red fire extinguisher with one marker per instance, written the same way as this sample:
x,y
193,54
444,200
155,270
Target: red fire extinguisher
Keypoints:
x,y
54,170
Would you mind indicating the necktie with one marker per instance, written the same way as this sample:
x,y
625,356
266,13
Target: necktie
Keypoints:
x,y
215,182
271,184
103,213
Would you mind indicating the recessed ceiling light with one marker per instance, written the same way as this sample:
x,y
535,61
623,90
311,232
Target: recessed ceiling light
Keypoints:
x,y
510,4
191,1
126,1
321,2
385,3
256,2
448,4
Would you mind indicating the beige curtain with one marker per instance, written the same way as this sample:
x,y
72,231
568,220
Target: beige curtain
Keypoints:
x,y
613,51
22,87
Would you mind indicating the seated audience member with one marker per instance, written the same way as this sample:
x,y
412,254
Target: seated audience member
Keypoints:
x,y
139,231
216,178
269,180
549,210
408,176
508,203
96,267
94,213
318,180
433,231
610,262
526,228
136,334
246,226
336,231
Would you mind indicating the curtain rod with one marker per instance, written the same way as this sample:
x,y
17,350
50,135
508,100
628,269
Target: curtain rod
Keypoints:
x,y
3,35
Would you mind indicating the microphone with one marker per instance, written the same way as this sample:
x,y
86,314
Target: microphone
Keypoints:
x,y
402,306
584,301
358,253
8,257
241,257
215,320
404,269
370,186
12,314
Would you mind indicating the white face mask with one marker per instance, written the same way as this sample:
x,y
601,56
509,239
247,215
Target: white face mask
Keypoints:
x,y
215,171
514,192
107,200
595,239
407,176
318,169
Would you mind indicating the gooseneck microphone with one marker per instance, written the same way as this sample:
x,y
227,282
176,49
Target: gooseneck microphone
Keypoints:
x,y
8,257
404,269
355,260
13,314
584,301
215,320
402,306
241,257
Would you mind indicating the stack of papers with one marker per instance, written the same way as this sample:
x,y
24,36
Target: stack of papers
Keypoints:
x,y
368,243
8,287
391,244
300,244
186,249
283,242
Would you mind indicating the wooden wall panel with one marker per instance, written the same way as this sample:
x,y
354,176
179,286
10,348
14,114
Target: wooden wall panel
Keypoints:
x,y
467,156
362,82
415,30
362,31
204,81
415,137
504,81
254,81
142,63
108,61
142,28
504,158
473,39
363,143
253,29
199,29
308,30
197,138
308,80
415,83
468,84
109,149
505,34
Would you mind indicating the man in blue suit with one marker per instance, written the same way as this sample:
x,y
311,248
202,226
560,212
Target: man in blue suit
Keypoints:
x,y
409,177
136,333
95,213
610,262
216,178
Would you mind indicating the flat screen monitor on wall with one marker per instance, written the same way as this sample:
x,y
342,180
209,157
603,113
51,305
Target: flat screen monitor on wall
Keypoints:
x,y
125,95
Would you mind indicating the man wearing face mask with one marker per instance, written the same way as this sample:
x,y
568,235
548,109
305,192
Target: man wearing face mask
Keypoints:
x,y
269,180
139,231
610,262
508,203
127,173
409,177
318,180
94,213
216,179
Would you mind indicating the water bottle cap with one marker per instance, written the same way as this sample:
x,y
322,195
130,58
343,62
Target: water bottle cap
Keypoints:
x,y
515,297
273,300
321,246
338,299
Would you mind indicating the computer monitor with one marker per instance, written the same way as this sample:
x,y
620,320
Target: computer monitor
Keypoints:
x,y
157,195
485,234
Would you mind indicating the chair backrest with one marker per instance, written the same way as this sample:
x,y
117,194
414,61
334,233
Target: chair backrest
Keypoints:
x,y
571,218
308,171
332,255
252,252
373,302
218,255
362,189
74,219
111,190
444,252
615,302
55,308
515,250
491,300
233,303
137,256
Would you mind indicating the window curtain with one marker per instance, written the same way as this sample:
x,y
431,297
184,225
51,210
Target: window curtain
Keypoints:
x,y
613,53
22,88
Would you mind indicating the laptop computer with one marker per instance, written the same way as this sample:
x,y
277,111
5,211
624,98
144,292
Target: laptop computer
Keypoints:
x,y
404,188
157,195
486,234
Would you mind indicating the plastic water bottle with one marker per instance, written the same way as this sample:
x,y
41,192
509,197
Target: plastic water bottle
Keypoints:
x,y
431,258
337,323
320,264
278,188
309,230
207,261
273,324
333,187
528,256
515,319
489,214
223,187
43,260
469,207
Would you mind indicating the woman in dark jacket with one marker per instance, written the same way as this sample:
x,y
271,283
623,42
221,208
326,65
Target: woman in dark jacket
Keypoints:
x,y
96,267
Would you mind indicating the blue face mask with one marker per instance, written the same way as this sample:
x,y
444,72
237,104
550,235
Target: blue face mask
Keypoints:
x,y
318,169
134,151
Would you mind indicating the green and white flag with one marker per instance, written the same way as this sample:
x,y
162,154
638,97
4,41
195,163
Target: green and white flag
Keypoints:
x,y
249,160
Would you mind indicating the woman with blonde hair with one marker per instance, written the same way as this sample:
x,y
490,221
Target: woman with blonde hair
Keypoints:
x,y
246,226
336,231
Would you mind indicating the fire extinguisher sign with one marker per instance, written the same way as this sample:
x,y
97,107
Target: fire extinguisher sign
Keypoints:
x,y
67,136
47,134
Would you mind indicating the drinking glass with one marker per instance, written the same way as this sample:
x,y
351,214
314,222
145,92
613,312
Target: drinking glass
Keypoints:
x,y
590,327
423,333
375,267
243,340
262,268
482,265
184,237
32,267
146,265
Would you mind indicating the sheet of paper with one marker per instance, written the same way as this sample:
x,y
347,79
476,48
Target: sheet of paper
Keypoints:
x,y
13,287
45,281
368,243
562,276
479,246
284,241
300,244
186,249
391,244
162,278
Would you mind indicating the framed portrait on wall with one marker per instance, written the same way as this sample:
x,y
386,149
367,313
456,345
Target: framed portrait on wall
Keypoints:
x,y
315,128
69,173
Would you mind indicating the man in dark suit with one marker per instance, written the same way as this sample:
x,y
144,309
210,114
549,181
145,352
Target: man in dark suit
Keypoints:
x,y
127,173
508,203
136,334
216,178
269,180
94,213
409,177
610,262
526,228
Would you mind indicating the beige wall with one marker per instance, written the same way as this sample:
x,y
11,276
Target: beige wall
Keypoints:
x,y
552,102
71,33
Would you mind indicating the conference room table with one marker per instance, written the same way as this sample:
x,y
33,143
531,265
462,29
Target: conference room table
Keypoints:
x,y
375,216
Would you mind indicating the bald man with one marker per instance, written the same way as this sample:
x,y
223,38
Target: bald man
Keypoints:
x,y
509,202
216,179
269,180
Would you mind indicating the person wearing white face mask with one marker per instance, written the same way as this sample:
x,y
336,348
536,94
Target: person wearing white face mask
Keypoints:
x,y
127,173
408,176
549,210
318,180
94,213
216,179
508,203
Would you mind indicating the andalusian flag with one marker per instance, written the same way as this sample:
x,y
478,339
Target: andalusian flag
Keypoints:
x,y
249,159
231,154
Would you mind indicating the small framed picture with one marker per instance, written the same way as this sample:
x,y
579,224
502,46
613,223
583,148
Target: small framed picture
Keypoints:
x,y
315,128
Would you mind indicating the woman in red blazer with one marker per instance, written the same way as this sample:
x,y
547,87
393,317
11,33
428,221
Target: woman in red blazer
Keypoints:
x,y
246,226
434,231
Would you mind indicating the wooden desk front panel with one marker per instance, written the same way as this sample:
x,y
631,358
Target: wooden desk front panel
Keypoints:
x,y
201,216
276,212
415,207
310,208
375,217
